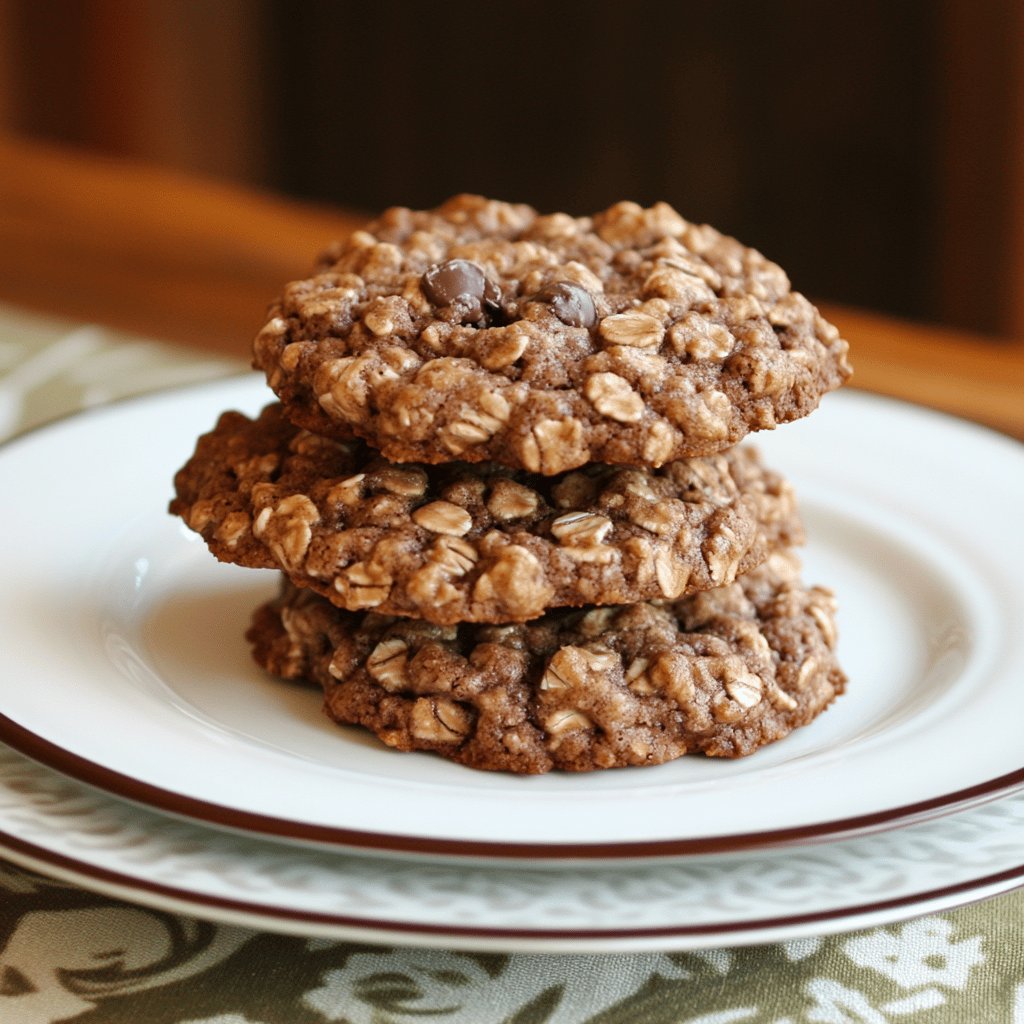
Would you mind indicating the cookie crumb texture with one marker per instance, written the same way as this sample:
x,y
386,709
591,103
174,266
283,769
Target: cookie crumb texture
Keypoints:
x,y
484,331
720,673
475,543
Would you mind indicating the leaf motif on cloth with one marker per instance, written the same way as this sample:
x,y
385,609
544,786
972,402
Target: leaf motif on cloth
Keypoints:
x,y
917,954
450,988
60,963
834,1003
398,983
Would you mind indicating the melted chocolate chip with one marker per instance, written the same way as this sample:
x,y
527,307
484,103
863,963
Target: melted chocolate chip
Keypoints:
x,y
570,302
461,283
444,283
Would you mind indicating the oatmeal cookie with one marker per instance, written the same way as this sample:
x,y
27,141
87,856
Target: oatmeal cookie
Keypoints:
x,y
720,673
475,543
484,331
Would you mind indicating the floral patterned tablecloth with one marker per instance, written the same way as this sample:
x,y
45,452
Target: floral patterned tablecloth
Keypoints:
x,y
68,954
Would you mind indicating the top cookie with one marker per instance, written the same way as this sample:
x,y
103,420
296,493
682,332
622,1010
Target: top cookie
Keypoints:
x,y
485,331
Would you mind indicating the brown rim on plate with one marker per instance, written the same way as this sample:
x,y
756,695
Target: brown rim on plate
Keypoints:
x,y
156,797
256,914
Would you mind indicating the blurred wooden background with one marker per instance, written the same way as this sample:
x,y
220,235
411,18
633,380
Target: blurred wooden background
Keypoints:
x,y
875,149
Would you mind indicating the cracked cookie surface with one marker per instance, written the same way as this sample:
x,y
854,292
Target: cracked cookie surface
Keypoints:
x,y
722,673
476,543
484,331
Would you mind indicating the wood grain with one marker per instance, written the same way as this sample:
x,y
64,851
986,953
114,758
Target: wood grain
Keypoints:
x,y
149,249
197,262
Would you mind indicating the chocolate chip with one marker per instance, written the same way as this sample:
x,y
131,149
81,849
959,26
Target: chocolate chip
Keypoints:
x,y
461,283
444,283
572,304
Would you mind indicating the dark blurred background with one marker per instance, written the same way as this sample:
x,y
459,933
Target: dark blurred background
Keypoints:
x,y
874,148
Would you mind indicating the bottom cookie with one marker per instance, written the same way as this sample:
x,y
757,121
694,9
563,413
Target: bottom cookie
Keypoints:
x,y
721,673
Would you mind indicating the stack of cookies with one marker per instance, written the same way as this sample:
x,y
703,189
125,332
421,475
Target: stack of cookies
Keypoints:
x,y
504,487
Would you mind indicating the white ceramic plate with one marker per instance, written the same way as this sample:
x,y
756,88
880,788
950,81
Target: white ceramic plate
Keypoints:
x,y
62,828
123,662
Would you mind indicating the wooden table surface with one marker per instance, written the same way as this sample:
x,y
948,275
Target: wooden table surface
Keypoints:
x,y
197,262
